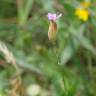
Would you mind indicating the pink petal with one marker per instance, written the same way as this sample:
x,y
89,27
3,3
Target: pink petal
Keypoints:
x,y
49,16
53,16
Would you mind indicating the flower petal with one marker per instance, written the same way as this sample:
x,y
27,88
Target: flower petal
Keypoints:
x,y
53,16
49,16
59,16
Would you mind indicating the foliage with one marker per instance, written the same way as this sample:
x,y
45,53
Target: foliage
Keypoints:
x,y
64,68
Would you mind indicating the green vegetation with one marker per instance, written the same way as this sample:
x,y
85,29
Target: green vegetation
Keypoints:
x,y
32,65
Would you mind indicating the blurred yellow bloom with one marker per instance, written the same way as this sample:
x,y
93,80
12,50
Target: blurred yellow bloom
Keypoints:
x,y
82,11
85,4
83,14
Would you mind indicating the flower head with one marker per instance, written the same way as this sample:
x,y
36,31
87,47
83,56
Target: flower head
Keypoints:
x,y
52,31
82,12
85,4
53,16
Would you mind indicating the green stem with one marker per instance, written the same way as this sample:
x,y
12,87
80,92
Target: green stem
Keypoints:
x,y
60,68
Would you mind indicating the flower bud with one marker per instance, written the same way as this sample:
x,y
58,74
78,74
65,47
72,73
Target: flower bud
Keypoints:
x,y
52,32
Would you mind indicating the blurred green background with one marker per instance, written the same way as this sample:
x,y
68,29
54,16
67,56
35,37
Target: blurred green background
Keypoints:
x,y
67,68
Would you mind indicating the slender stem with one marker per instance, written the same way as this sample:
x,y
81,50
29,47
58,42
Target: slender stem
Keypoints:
x,y
20,9
59,67
23,10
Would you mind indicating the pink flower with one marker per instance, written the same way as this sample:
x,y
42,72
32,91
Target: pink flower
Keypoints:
x,y
53,16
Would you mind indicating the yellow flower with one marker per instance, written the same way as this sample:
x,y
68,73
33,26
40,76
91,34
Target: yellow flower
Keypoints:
x,y
82,11
83,14
85,4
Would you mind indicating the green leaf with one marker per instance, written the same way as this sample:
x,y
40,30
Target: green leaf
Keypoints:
x,y
85,43
71,48
82,40
69,51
